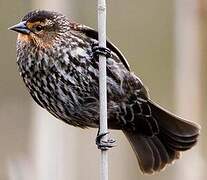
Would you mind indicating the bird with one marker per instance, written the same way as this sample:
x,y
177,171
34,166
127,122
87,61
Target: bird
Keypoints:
x,y
57,59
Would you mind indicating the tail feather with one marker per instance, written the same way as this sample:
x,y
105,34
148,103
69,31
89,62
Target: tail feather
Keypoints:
x,y
178,138
175,135
156,155
142,150
174,124
165,158
177,144
173,155
152,155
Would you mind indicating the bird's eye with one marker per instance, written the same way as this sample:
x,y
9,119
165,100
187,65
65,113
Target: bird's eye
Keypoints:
x,y
39,28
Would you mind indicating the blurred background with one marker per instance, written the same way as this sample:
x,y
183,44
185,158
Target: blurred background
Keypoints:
x,y
165,43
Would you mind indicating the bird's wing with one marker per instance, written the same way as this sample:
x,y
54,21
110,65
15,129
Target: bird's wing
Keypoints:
x,y
94,34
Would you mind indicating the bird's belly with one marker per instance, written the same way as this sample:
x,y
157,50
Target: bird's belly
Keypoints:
x,y
71,92
62,99
64,108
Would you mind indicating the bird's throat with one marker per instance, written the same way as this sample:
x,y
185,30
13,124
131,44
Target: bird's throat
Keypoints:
x,y
24,38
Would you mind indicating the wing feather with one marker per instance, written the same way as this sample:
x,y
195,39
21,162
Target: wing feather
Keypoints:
x,y
94,34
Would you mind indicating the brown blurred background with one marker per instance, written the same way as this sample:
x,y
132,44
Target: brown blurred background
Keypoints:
x,y
165,43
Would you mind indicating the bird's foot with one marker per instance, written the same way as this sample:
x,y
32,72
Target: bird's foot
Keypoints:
x,y
98,50
104,144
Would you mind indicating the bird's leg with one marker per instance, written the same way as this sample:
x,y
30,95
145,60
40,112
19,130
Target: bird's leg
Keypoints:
x,y
102,144
98,50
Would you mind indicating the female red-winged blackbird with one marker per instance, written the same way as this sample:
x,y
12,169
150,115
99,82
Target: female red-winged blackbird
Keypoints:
x,y
57,62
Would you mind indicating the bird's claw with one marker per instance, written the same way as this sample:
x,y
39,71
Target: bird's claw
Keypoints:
x,y
102,144
98,50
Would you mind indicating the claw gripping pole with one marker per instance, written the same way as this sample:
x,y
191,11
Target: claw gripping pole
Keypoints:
x,y
103,86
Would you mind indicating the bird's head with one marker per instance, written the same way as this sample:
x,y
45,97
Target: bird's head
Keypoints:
x,y
41,27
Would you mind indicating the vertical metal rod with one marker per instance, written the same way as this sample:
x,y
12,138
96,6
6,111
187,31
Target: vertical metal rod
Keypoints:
x,y
103,86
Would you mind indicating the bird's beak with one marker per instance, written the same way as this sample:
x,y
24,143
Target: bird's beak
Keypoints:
x,y
20,27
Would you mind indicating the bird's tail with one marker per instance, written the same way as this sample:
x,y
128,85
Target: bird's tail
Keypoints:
x,y
175,135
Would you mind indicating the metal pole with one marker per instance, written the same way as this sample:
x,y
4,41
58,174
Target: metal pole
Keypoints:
x,y
103,86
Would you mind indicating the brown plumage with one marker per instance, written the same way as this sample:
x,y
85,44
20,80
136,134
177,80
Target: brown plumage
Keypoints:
x,y
56,60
